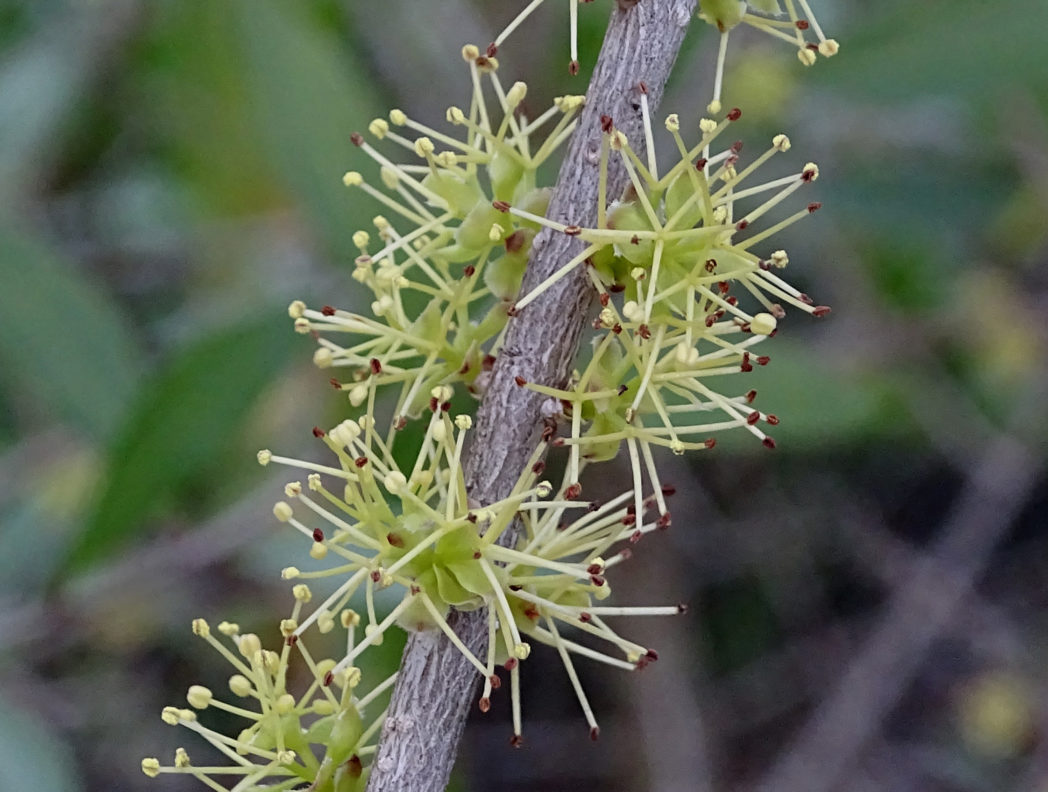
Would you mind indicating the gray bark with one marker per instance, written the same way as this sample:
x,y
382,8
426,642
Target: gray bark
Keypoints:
x,y
436,686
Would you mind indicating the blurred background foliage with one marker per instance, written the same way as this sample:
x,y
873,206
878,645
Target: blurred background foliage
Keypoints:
x,y
868,601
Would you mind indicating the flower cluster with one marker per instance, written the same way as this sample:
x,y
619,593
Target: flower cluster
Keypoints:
x,y
416,529
317,739
669,252
446,264
800,29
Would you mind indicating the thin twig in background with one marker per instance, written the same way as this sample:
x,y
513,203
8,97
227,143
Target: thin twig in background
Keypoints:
x,y
918,612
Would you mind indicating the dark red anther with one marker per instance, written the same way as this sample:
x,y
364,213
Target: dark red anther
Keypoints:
x,y
471,517
804,298
502,206
465,368
476,555
394,539
742,225
573,491
753,417
768,442
723,287
291,640
573,230
777,311
763,360
594,733
318,535
573,68
327,310
710,320
376,366
629,519
642,87
644,332
682,607
732,301
665,521
634,240
669,490
701,163
513,310
356,139
514,242
484,704
605,298
772,419
482,62
492,50
736,146
593,506
615,288
521,382
585,618
538,467
414,589
802,24
652,655
532,613
376,576
488,363
496,681
734,114
469,270
616,328
597,580
635,537
814,207
764,265
445,407
812,47
354,767
746,365
360,461
335,384
318,432
750,396
434,405
821,310
510,664
606,124
329,677
516,741
400,423
710,442
711,265
622,389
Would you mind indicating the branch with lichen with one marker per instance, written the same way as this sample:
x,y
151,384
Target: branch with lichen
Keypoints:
x,y
485,281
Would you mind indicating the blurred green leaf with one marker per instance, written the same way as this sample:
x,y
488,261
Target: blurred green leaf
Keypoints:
x,y
32,756
970,48
63,342
184,420
308,97
46,77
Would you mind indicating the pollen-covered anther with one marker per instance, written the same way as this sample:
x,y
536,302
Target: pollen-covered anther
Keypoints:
x,y
302,326
151,766
282,511
296,309
763,324
352,179
781,143
379,127
810,172
806,56
829,48
424,147
264,456
199,697
618,140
